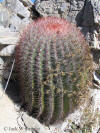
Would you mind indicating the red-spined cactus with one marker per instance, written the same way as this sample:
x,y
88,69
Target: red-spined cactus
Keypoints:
x,y
54,67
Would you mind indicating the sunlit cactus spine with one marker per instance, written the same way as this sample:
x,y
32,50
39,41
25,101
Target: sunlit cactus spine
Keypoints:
x,y
54,68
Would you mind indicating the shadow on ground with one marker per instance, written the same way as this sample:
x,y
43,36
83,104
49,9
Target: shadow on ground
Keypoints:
x,y
12,89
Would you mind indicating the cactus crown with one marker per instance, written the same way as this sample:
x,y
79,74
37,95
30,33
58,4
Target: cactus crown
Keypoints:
x,y
54,68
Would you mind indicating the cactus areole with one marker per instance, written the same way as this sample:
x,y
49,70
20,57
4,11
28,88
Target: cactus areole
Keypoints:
x,y
54,68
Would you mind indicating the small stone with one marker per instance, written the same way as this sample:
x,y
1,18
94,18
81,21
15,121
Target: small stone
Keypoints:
x,y
34,125
97,79
21,10
7,37
15,21
63,7
7,51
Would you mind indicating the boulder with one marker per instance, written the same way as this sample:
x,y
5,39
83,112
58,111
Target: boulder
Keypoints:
x,y
8,37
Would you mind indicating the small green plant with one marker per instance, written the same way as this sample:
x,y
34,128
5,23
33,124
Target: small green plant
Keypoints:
x,y
54,68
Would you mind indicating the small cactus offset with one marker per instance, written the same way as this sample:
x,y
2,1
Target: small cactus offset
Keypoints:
x,y
54,68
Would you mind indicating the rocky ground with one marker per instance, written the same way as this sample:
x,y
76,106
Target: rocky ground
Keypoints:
x,y
14,16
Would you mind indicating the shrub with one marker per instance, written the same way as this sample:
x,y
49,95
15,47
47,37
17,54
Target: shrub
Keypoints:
x,y
54,68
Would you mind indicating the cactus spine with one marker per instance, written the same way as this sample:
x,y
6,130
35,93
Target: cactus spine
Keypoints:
x,y
54,68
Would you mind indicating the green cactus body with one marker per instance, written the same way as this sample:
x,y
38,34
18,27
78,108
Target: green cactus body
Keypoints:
x,y
54,68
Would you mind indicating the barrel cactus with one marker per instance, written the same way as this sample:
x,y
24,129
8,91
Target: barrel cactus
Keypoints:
x,y
54,68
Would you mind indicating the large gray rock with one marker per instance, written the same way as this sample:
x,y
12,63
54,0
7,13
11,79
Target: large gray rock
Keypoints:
x,y
15,6
21,10
7,51
96,10
13,14
7,37
47,8
4,16
17,24
62,8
